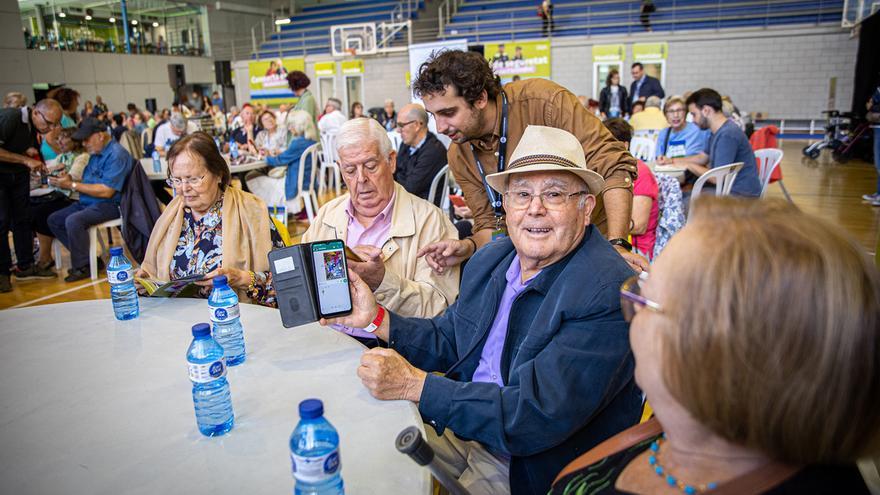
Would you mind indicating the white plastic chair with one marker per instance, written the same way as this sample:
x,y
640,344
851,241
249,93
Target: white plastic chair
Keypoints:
x,y
768,159
643,148
94,238
306,191
329,156
724,178
442,175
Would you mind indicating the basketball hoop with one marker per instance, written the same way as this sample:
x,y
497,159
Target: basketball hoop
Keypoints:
x,y
353,40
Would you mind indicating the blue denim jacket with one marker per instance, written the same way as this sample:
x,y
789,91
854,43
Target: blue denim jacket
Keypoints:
x,y
567,365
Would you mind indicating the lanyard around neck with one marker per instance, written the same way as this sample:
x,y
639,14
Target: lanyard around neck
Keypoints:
x,y
494,197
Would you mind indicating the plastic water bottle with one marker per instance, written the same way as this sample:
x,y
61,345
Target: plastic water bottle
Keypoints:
x,y
207,372
314,452
122,291
157,162
223,304
233,149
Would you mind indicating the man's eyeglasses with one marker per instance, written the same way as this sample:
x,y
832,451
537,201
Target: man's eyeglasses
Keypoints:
x,y
674,111
51,125
631,299
552,200
401,125
191,181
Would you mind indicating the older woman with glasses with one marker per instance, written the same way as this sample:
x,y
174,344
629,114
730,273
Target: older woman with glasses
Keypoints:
x,y
209,228
766,379
682,140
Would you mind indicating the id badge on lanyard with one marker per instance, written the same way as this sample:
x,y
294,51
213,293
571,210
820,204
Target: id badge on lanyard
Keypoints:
x,y
494,197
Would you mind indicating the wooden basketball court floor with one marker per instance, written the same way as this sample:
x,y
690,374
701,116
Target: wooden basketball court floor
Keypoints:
x,y
822,187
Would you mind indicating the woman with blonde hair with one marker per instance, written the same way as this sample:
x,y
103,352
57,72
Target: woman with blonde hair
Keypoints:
x,y
281,186
757,343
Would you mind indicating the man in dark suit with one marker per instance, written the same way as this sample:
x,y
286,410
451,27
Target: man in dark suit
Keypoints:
x,y
644,85
421,154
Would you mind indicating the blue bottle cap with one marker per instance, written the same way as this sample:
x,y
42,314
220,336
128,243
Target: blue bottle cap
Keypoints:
x,y
116,251
311,409
201,329
220,280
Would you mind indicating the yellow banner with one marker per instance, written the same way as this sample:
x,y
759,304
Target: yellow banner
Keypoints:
x,y
325,68
519,60
608,53
268,80
355,66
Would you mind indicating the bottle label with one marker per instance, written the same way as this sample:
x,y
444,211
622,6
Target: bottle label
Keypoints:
x,y
222,314
315,469
207,372
118,276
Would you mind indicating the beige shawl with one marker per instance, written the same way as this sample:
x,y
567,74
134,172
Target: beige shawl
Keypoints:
x,y
245,230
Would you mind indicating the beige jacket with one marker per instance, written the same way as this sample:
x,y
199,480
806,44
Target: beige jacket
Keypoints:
x,y
410,287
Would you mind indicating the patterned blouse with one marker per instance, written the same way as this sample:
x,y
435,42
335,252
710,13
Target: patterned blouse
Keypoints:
x,y
200,246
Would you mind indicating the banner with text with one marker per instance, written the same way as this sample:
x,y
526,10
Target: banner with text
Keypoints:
x,y
268,80
521,60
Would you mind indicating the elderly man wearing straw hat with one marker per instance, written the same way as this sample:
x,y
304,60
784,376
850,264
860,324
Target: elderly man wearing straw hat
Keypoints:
x,y
534,355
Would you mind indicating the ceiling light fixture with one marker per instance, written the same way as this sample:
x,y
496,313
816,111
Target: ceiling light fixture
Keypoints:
x,y
134,22
155,24
112,20
62,15
281,22
88,17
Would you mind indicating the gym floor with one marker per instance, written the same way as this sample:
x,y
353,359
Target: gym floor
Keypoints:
x,y
821,187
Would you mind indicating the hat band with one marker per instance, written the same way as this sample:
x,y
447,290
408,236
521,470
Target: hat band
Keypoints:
x,y
543,159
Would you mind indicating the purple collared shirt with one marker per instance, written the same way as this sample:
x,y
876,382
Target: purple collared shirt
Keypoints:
x,y
374,235
489,369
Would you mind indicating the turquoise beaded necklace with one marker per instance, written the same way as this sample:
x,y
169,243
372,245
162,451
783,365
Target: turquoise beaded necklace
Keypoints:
x,y
668,477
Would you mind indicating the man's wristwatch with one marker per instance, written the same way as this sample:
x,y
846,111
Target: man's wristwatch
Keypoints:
x,y
372,327
73,186
622,243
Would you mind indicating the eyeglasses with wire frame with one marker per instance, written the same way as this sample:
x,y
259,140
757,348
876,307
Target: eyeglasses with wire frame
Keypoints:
x,y
190,181
551,200
631,299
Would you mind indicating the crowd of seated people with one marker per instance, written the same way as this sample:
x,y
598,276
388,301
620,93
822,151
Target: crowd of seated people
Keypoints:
x,y
530,364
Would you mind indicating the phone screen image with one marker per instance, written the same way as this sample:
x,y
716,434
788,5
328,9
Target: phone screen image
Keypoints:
x,y
331,278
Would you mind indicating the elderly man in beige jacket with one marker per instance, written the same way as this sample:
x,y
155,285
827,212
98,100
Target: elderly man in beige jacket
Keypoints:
x,y
386,226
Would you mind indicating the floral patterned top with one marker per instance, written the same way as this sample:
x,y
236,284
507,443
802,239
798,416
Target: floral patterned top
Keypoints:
x,y
200,246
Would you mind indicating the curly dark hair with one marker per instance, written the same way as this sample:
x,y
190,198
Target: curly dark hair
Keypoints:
x,y
468,72
298,80
67,97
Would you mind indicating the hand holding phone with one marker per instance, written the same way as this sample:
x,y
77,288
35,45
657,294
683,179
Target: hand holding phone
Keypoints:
x,y
363,308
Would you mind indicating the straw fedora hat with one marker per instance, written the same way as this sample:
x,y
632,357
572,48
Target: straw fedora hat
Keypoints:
x,y
548,149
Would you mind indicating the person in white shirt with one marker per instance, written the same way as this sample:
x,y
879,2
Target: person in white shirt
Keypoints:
x,y
169,132
333,117
272,140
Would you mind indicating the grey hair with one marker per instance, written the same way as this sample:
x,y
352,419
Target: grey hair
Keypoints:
x,y
360,132
417,112
300,123
389,101
652,101
178,122
335,103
